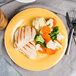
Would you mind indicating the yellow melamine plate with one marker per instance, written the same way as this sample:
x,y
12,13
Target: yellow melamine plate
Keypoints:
x,y
43,61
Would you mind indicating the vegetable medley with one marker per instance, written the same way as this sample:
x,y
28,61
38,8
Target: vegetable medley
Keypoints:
x,y
48,38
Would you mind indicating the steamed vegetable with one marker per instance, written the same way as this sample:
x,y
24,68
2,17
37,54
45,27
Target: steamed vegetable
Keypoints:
x,y
54,33
39,38
60,37
42,44
51,22
45,29
50,51
54,37
54,45
48,25
39,22
55,29
46,36
48,39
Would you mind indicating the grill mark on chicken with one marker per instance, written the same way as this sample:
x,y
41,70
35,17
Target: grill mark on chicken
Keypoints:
x,y
18,36
21,34
28,51
16,46
31,32
24,34
24,48
28,46
31,43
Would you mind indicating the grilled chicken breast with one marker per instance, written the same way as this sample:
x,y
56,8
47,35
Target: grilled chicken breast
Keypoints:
x,y
24,37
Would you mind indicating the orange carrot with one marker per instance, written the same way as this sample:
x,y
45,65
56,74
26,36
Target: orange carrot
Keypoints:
x,y
50,51
43,50
45,29
46,41
46,36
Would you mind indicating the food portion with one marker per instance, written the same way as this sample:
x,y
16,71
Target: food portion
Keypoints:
x,y
39,37
24,41
53,45
43,36
48,37
39,22
23,35
50,22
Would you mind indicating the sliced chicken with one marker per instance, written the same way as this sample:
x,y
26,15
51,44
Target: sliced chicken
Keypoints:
x,y
29,50
24,37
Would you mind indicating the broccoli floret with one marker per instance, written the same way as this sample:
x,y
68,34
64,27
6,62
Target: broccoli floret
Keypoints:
x,y
54,33
39,37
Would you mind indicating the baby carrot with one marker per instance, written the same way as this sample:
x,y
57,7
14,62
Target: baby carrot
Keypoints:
x,y
46,36
45,29
50,51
